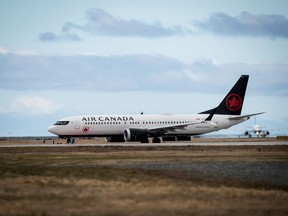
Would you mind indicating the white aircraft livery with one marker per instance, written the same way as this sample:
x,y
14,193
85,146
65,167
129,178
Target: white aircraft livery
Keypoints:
x,y
169,127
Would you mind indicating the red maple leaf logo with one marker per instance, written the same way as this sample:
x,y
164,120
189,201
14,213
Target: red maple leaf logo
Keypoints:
x,y
233,102
85,129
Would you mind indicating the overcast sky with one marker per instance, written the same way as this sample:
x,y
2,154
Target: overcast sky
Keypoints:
x,y
69,57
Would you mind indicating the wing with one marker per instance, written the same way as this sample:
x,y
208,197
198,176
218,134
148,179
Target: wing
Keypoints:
x,y
168,128
161,130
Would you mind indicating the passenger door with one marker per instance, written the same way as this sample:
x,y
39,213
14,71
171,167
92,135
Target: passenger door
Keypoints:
x,y
77,124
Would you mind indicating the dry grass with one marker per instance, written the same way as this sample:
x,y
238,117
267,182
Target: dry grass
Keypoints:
x,y
94,181
34,195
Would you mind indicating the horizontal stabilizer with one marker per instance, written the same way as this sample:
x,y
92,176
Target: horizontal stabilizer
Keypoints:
x,y
245,116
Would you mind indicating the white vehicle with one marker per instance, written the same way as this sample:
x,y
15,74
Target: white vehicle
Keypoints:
x,y
120,128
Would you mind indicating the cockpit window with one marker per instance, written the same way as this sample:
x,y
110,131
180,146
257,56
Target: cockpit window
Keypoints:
x,y
61,123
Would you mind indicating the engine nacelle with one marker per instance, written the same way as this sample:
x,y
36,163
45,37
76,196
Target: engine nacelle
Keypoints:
x,y
135,134
119,138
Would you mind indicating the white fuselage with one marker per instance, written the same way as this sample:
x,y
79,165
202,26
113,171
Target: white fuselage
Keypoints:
x,y
119,128
109,125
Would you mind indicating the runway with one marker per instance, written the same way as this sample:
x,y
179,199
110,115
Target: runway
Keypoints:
x,y
170,144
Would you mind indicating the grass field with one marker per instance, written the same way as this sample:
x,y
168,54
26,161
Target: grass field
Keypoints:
x,y
144,181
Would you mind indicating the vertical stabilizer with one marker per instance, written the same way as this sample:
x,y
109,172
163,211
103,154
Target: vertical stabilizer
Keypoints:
x,y
233,101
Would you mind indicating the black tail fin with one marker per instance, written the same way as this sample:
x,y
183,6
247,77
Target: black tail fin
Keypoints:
x,y
233,101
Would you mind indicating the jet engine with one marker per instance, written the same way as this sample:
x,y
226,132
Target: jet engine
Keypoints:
x,y
135,135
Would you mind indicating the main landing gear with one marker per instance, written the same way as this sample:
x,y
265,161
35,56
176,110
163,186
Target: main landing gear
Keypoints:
x,y
70,140
154,140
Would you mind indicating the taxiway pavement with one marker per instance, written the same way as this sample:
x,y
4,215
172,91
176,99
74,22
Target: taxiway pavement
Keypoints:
x,y
170,144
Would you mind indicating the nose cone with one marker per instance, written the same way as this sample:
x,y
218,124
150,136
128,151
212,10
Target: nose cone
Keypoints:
x,y
52,129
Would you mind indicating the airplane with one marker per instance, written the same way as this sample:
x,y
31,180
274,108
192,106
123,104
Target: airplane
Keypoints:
x,y
169,127
257,129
